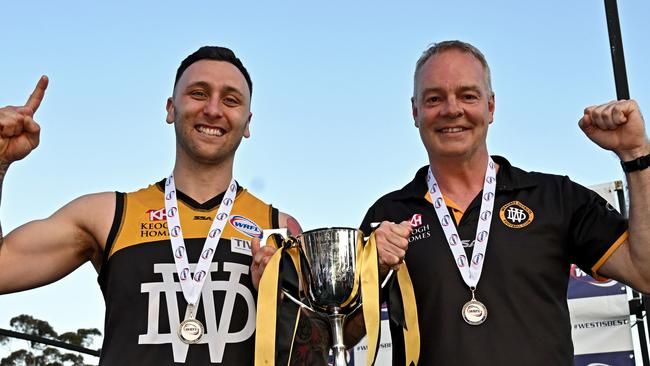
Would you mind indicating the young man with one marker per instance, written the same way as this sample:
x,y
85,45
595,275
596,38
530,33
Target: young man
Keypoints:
x,y
191,301
488,246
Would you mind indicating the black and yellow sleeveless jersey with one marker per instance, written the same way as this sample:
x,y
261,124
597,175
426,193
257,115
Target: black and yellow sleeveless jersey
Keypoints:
x,y
144,301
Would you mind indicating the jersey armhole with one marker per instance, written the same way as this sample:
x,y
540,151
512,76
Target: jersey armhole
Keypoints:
x,y
118,219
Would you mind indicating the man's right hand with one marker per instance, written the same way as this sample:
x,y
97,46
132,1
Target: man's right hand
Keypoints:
x,y
19,133
392,243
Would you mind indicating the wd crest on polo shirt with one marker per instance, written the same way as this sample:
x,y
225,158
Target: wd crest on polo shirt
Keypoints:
x,y
540,225
140,283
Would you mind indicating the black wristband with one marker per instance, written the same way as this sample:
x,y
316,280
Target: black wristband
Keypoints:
x,y
636,164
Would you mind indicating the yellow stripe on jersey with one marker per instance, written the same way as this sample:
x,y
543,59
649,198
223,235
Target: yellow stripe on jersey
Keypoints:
x,y
605,257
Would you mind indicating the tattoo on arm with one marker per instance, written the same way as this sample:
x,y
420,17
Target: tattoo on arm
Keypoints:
x,y
3,172
354,328
293,226
312,342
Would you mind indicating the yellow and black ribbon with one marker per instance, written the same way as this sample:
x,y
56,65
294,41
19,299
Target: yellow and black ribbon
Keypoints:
x,y
411,327
369,271
267,307
366,280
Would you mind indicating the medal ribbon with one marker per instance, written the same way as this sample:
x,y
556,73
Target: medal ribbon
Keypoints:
x,y
192,284
470,270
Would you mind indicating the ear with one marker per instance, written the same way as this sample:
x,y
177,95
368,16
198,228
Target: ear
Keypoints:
x,y
170,110
491,107
247,132
414,112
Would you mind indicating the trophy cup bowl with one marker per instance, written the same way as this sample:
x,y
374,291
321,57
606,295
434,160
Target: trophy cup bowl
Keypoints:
x,y
329,277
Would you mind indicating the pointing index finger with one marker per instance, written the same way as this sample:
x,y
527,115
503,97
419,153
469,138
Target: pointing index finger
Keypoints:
x,y
35,99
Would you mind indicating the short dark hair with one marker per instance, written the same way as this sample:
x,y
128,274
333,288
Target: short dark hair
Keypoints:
x,y
461,46
215,53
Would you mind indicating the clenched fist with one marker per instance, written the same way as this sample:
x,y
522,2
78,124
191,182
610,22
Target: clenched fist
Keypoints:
x,y
392,243
617,126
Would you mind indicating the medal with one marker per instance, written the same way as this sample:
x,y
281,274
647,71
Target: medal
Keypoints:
x,y
190,329
474,312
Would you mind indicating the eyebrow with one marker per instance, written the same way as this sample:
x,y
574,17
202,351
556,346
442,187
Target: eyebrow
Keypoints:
x,y
205,85
232,89
463,88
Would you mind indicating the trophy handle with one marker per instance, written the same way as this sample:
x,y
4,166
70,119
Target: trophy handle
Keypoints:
x,y
390,272
286,240
388,276
266,233
297,302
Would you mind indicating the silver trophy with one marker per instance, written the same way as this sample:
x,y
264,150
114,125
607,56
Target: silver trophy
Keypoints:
x,y
329,278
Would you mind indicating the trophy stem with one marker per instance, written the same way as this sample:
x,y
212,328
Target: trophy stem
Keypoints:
x,y
338,348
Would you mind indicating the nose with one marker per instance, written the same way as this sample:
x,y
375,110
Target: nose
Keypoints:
x,y
451,108
212,108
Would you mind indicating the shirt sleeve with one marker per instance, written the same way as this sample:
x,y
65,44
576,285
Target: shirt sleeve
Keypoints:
x,y
596,228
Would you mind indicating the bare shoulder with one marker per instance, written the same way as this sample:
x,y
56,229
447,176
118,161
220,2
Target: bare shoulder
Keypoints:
x,y
102,201
288,221
56,245
92,214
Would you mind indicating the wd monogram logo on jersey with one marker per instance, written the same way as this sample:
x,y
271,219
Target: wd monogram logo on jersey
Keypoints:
x,y
246,226
516,215
419,231
218,331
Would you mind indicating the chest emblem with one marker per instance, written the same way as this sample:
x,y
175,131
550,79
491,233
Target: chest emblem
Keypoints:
x,y
516,215
246,226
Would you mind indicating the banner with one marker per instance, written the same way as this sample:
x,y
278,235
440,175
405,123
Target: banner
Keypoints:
x,y
384,353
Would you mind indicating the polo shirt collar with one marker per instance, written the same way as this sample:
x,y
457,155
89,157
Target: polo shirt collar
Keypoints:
x,y
509,178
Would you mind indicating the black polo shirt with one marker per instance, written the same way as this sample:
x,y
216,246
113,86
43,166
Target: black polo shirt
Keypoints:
x,y
541,223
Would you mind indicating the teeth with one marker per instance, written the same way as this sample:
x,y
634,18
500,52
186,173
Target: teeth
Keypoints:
x,y
453,129
212,131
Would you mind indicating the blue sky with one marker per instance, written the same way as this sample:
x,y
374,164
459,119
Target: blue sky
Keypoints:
x,y
331,129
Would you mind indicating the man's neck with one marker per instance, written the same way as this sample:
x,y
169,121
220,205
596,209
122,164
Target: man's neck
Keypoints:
x,y
460,179
202,182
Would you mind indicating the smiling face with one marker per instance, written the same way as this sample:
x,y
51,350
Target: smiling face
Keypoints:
x,y
453,105
210,110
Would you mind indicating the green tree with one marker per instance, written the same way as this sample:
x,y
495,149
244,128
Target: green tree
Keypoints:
x,y
40,354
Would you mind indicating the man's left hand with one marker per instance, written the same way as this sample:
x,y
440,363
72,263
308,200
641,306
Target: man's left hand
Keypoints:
x,y
617,126
261,257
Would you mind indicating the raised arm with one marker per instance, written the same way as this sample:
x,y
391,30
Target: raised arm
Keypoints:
x,y
619,126
43,251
